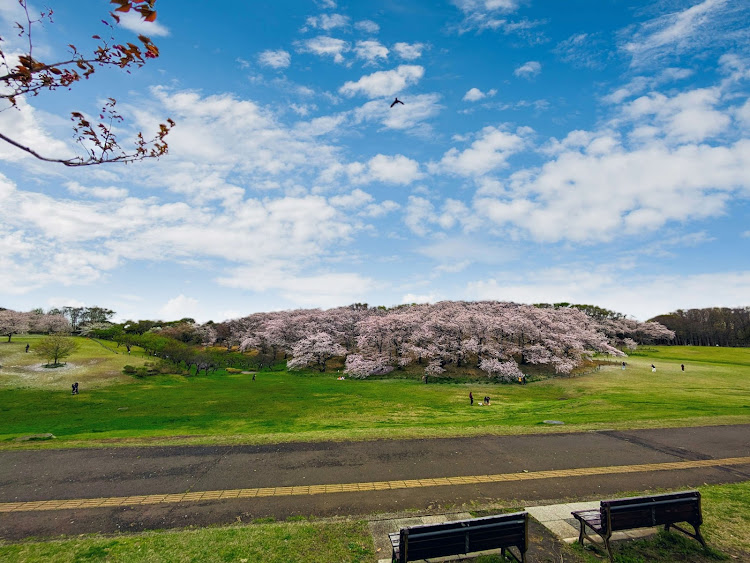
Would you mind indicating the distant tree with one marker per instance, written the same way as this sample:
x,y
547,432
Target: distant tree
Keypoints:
x,y
13,322
55,347
48,323
314,351
25,75
106,331
502,371
724,326
139,327
360,368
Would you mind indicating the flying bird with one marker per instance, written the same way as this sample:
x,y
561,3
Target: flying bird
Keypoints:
x,y
397,101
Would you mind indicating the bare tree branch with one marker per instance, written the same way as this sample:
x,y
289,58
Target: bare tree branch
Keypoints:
x,y
29,77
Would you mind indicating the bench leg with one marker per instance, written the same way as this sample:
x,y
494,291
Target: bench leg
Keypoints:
x,y
510,555
609,550
699,536
696,535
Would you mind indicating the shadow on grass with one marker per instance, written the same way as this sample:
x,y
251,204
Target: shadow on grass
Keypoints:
x,y
664,546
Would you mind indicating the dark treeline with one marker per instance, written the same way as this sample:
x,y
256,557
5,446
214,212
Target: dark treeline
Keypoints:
x,y
715,326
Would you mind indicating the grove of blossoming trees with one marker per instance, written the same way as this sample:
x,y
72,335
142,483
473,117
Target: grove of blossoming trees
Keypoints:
x,y
16,322
494,337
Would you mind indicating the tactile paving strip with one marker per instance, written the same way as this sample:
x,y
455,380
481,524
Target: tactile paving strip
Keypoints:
x,y
64,504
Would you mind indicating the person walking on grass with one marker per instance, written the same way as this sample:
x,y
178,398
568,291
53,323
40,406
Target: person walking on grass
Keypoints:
x,y
682,366
653,368
471,399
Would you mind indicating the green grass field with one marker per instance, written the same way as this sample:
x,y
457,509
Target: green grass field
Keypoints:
x,y
113,409
726,511
345,542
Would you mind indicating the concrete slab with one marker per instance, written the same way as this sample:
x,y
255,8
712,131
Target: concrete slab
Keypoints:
x,y
587,505
557,519
548,513
561,529
381,528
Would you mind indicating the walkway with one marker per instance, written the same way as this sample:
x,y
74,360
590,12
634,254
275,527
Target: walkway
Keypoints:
x,y
50,492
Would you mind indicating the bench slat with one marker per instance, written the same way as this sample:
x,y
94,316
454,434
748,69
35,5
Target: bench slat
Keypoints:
x,y
461,536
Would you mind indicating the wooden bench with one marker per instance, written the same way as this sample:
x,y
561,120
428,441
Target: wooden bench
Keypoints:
x,y
462,536
642,512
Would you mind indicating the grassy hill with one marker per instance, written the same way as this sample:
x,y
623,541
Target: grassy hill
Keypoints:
x,y
223,408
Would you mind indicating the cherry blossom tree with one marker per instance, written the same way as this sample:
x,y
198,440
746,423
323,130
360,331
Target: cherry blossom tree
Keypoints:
x,y
501,371
314,351
13,322
49,323
360,368
493,336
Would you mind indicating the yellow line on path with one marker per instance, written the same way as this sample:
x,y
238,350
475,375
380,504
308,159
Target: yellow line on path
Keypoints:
x,y
64,504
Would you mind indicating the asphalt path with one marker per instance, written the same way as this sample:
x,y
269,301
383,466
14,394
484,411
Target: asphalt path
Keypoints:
x,y
36,475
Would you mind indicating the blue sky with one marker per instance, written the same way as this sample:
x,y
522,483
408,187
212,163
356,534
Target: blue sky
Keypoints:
x,y
582,151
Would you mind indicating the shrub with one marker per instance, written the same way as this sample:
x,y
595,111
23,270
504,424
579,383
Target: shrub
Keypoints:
x,y
128,370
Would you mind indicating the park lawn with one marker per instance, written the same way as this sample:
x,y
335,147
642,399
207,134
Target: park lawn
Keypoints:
x,y
269,542
95,364
281,407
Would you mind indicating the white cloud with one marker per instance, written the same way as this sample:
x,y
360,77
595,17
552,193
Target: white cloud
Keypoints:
x,y
487,5
626,192
368,26
111,192
420,213
421,216
384,82
275,59
492,14
179,307
582,50
699,28
422,298
357,198
325,46
672,28
327,22
393,169
475,94
528,69
371,50
27,126
688,116
409,51
134,22
397,170
743,114
326,289
381,209
410,117
488,152
641,295
220,134
321,125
